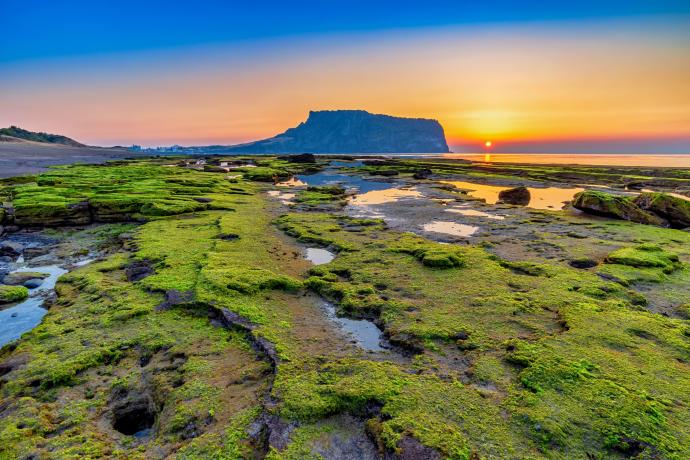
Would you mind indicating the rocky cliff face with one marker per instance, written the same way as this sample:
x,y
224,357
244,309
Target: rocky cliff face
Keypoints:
x,y
354,131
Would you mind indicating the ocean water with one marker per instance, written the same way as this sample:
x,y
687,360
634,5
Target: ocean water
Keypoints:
x,y
670,160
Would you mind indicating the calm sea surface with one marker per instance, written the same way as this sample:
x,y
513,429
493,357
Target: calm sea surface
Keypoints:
x,y
678,161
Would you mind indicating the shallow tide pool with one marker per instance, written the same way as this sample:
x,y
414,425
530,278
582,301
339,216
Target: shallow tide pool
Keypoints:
x,y
541,198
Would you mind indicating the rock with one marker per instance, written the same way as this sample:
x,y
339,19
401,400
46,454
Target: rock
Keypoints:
x,y
411,449
19,278
30,253
518,196
423,174
174,297
45,215
32,283
354,131
674,209
11,294
302,158
12,364
616,206
11,249
385,172
138,270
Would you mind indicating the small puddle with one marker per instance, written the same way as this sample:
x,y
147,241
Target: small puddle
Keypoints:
x,y
450,228
541,198
365,333
384,196
318,256
475,213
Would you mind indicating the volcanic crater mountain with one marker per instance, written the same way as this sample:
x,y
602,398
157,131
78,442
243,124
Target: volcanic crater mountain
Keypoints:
x,y
354,131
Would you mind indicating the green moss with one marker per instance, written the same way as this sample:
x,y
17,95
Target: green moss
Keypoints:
x,y
9,294
314,196
645,255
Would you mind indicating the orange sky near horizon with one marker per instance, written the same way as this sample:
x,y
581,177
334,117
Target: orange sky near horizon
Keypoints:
x,y
601,80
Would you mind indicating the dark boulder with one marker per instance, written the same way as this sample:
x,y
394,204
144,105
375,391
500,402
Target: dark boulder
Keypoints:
x,y
385,172
302,158
616,206
674,209
423,174
33,283
518,196
11,249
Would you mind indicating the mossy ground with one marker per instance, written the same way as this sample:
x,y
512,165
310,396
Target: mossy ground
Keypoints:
x,y
494,357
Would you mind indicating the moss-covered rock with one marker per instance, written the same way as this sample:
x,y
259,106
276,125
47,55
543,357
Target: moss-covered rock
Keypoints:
x,y
645,255
17,278
674,209
617,206
9,294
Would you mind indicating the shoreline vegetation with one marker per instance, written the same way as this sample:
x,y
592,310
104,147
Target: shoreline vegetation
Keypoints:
x,y
200,331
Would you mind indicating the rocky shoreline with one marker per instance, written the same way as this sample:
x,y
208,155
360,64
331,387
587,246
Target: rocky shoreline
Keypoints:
x,y
197,330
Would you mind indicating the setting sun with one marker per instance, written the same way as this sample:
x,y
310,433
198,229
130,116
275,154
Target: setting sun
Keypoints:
x,y
488,144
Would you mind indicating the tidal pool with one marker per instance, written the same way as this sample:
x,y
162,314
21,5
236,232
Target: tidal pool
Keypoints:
x,y
365,333
318,256
474,213
26,315
384,196
541,198
450,228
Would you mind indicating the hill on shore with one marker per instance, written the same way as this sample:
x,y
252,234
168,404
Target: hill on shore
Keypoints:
x,y
16,134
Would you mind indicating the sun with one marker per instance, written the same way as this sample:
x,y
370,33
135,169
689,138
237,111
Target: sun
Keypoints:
x,y
488,144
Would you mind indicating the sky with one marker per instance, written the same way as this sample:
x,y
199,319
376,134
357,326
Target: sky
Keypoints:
x,y
599,77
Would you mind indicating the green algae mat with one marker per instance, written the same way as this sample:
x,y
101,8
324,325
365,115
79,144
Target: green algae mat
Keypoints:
x,y
203,334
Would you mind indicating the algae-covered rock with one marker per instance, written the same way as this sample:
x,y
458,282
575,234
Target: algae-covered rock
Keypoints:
x,y
674,209
423,174
9,294
617,206
19,278
518,196
645,255
51,213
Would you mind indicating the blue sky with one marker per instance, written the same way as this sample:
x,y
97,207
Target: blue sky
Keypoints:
x,y
49,28
604,76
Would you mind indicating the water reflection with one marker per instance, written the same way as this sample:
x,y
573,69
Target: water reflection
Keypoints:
x,y
365,333
541,198
474,213
384,196
26,315
450,228
676,160
318,256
